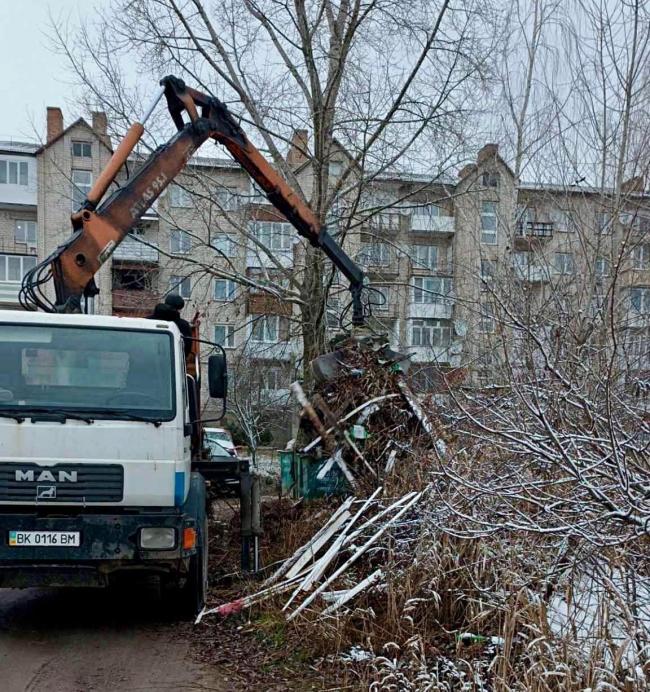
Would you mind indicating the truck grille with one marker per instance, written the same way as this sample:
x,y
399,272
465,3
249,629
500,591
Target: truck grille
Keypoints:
x,y
82,483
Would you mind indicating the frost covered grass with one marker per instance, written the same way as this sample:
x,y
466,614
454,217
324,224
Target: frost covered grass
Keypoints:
x,y
504,610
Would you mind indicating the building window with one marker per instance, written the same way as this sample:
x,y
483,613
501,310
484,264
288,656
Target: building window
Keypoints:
x,y
25,232
487,323
638,351
636,222
425,256
224,244
379,299
488,270
640,300
490,179
82,150
602,267
273,235
427,332
431,290
179,196
522,260
14,267
224,335
131,279
486,359
564,263
224,289
180,242
641,257
258,196
489,223
333,312
272,280
335,169
81,183
603,222
265,329
13,173
226,199
385,221
425,218
181,285
272,379
562,220
375,254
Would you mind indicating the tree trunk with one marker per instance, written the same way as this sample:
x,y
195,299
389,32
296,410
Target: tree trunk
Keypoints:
x,y
313,312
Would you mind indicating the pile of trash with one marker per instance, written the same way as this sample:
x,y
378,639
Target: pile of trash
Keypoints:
x,y
364,417
330,558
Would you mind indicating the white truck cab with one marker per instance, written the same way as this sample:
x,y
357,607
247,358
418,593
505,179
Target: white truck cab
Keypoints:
x,y
95,453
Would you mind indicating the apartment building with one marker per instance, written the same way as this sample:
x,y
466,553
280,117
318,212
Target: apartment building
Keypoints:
x,y
433,250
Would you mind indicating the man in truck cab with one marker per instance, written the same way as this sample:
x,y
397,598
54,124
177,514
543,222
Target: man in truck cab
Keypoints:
x,y
170,312
176,303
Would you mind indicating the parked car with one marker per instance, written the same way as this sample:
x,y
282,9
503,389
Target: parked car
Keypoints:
x,y
220,443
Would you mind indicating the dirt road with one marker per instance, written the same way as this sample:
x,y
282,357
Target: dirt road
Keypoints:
x,y
95,641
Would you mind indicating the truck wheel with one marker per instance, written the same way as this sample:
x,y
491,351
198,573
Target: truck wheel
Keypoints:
x,y
195,590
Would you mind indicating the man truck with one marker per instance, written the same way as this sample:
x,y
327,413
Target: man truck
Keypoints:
x,y
100,424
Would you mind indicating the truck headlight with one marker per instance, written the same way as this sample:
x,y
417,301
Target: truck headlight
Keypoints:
x,y
157,538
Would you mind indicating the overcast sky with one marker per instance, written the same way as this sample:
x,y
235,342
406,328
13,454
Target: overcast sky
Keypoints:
x,y
34,76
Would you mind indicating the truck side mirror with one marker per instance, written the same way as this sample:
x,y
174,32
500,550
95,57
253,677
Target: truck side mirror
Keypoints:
x,y
217,376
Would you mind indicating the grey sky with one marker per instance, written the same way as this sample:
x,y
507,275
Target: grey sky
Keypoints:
x,y
34,76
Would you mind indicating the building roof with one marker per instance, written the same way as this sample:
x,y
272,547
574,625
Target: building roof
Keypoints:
x,y
12,146
78,122
576,189
439,179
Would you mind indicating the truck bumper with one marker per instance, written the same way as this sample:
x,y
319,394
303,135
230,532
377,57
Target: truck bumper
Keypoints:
x,y
109,544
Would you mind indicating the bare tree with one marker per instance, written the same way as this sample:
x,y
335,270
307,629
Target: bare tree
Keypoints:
x,y
393,86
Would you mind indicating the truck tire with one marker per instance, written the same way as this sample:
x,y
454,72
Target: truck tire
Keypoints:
x,y
195,590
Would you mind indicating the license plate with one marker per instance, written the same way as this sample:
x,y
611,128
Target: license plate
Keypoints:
x,y
66,539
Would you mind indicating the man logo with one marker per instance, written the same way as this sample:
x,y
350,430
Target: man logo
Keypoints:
x,y
46,492
47,476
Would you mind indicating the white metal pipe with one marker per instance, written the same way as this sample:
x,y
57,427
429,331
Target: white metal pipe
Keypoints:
x,y
152,105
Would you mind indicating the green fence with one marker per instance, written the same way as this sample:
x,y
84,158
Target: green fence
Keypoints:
x,y
298,474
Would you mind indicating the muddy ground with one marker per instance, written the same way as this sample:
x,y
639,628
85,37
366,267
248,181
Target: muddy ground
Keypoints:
x,y
126,638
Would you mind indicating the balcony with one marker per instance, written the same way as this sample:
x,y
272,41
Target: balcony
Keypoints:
x,y
439,269
535,229
132,303
279,350
388,311
265,304
441,310
424,223
385,222
639,226
132,250
257,258
19,186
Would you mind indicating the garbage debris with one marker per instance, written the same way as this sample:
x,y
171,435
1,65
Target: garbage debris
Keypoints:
x,y
320,573
363,416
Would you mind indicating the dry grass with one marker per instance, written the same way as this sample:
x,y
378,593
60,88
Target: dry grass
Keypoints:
x,y
506,586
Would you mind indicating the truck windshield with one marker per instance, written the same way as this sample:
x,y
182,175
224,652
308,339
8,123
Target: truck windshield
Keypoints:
x,y
110,372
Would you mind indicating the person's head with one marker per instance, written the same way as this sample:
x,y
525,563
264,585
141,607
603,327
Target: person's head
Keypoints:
x,y
162,311
175,302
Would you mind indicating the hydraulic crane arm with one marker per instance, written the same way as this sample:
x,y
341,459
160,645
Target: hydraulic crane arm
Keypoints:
x,y
99,227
